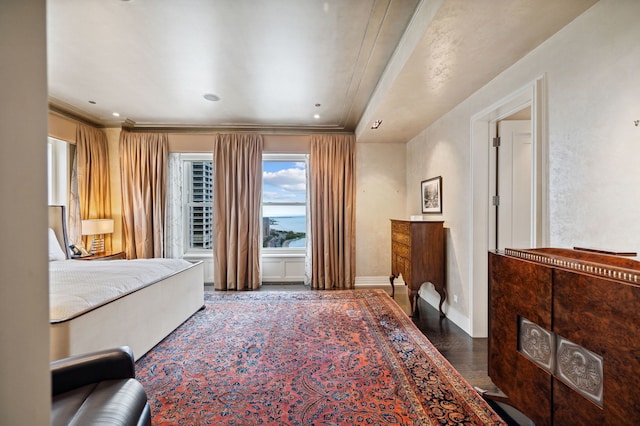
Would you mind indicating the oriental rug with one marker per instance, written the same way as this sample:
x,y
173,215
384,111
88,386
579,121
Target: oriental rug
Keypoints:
x,y
305,358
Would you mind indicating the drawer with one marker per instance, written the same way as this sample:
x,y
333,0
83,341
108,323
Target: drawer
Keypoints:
x,y
400,265
401,238
400,227
406,273
400,249
397,264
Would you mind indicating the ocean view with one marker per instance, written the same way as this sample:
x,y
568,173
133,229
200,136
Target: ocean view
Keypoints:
x,y
291,223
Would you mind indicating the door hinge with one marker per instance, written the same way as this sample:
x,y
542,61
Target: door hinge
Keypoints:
x,y
495,200
496,142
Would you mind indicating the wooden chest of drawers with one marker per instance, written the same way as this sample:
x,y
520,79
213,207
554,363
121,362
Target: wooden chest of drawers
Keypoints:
x,y
417,252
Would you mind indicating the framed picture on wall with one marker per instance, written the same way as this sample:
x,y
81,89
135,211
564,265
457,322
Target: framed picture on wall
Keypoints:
x,y
431,195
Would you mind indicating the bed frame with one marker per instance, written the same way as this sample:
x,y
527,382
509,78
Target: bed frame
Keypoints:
x,y
140,319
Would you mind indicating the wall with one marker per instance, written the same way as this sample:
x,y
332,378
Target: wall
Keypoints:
x,y
62,128
443,150
595,147
592,99
380,195
25,384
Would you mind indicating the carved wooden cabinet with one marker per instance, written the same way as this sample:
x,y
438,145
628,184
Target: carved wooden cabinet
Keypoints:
x,y
564,335
417,252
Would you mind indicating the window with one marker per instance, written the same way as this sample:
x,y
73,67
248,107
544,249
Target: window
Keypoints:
x,y
50,172
284,202
190,211
198,205
57,171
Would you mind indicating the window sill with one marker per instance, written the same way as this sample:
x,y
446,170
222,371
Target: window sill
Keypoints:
x,y
272,255
281,255
197,256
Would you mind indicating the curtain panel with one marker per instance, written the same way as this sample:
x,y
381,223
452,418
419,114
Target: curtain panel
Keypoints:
x,y
74,226
332,211
237,203
94,190
143,169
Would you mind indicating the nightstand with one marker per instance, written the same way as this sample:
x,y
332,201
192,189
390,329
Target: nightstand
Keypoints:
x,y
107,255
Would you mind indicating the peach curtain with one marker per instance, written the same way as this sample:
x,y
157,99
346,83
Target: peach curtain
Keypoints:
x,y
143,170
332,211
237,202
74,218
94,190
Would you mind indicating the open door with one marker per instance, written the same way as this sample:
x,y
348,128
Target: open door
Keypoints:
x,y
513,200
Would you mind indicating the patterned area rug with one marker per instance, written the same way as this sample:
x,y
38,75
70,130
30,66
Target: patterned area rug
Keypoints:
x,y
305,358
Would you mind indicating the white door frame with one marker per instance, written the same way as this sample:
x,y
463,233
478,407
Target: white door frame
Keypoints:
x,y
483,130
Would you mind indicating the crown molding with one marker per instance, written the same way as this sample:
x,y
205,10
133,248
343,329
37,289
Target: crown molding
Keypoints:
x,y
68,111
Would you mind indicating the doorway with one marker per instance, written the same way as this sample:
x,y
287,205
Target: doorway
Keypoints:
x,y
483,221
512,199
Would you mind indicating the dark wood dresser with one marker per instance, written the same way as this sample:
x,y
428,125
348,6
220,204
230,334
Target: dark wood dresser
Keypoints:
x,y
564,335
417,252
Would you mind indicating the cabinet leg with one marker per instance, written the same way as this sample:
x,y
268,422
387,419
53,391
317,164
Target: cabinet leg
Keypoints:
x,y
413,302
494,396
393,288
443,297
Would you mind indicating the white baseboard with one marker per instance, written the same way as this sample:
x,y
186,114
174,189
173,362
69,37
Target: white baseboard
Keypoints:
x,y
429,295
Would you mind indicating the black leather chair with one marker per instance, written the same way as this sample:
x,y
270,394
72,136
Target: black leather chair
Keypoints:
x,y
98,388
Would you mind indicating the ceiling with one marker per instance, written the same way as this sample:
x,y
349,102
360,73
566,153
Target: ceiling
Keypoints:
x,y
286,65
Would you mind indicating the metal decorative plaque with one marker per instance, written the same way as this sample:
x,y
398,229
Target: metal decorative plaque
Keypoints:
x,y
580,369
575,366
537,344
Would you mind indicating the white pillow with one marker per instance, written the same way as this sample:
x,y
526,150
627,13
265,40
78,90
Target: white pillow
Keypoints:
x,y
55,251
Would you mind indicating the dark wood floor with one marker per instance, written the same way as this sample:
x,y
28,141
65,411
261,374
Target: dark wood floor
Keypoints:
x,y
467,355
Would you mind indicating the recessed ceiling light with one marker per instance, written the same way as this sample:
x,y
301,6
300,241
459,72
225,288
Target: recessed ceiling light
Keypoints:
x,y
376,124
115,114
211,97
316,116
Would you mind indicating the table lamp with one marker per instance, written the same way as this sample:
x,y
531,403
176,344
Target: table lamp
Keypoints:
x,y
97,228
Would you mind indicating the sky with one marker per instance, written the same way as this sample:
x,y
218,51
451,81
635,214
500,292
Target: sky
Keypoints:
x,y
283,181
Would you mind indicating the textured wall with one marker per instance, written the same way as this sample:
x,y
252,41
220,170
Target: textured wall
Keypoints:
x,y
443,150
380,196
594,145
593,97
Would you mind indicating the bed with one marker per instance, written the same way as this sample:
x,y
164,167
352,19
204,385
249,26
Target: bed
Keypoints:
x,y
98,305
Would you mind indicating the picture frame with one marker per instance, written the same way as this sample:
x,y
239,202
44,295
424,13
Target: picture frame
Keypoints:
x,y
431,195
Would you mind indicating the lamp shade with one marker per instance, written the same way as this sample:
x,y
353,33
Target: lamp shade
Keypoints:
x,y
97,226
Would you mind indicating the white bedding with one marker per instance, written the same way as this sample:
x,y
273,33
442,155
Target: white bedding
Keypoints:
x,y
76,286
